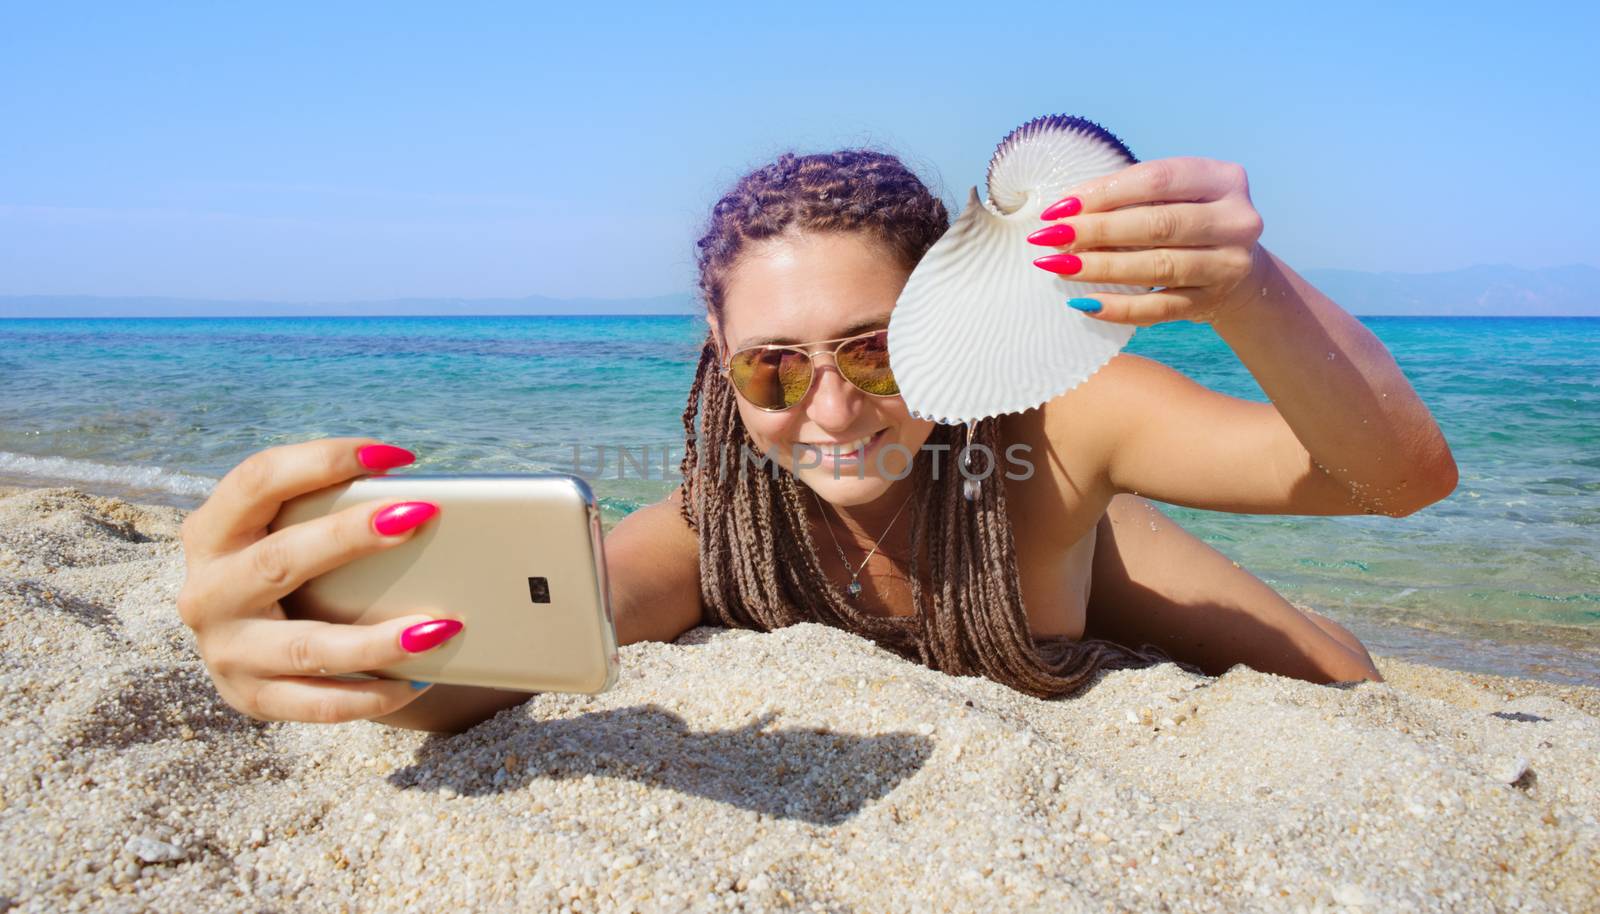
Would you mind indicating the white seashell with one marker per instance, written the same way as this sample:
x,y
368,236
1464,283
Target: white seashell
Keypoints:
x,y
979,330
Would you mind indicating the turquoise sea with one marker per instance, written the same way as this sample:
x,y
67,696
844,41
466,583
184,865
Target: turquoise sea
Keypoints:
x,y
1503,576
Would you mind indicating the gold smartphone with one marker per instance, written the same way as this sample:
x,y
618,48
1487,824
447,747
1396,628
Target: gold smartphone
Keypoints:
x,y
517,558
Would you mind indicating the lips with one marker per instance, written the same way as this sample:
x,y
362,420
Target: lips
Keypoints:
x,y
857,447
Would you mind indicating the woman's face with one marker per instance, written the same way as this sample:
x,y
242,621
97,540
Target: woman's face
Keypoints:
x,y
797,289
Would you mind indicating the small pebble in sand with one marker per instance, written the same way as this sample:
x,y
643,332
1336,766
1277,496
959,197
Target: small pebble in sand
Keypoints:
x,y
151,849
1513,771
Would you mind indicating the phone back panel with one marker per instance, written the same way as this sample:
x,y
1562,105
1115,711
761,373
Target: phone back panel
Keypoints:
x,y
516,557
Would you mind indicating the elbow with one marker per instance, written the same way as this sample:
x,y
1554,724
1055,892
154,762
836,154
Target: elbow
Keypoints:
x,y
1448,476
1439,474
1435,479
1356,671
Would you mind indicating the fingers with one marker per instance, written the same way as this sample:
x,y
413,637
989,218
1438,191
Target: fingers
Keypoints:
x,y
249,496
301,647
1174,180
277,669
275,565
1155,267
330,701
1146,308
1184,226
1168,225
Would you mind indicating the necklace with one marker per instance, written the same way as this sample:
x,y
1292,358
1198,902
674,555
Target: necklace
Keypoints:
x,y
855,585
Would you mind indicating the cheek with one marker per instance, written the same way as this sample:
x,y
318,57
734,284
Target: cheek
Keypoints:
x,y
766,429
914,433
893,411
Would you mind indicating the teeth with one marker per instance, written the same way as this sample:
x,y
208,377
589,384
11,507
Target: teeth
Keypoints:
x,y
849,448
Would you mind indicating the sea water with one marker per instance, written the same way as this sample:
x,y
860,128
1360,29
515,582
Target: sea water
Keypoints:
x,y
1502,576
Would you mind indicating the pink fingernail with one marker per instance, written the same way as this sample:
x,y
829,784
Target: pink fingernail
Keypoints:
x,y
1059,263
384,456
1053,235
425,636
397,519
1068,207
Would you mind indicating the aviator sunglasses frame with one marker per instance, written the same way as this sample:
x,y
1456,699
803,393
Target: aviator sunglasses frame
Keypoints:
x,y
726,369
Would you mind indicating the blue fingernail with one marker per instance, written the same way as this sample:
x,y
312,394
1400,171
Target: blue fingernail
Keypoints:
x,y
1084,304
419,686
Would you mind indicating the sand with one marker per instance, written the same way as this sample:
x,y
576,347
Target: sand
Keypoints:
x,y
798,770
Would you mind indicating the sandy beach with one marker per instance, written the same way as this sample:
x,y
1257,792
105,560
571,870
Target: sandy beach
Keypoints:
x,y
798,770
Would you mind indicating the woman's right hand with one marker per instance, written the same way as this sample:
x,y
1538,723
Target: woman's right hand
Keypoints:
x,y
266,665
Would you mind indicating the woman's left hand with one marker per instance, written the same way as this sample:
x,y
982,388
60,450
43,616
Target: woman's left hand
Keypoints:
x,y
1184,224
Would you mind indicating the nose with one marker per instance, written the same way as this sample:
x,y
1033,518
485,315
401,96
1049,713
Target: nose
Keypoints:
x,y
834,400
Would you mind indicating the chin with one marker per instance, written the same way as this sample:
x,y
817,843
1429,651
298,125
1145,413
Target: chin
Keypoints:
x,y
846,491
852,484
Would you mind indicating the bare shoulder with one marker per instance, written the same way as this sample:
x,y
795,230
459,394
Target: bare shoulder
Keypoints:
x,y
1086,420
1125,374
1092,418
1070,439
662,520
653,563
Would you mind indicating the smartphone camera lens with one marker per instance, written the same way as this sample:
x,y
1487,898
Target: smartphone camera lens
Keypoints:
x,y
539,590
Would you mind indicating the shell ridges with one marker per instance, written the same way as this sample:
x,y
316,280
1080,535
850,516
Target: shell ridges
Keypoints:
x,y
978,330
1067,122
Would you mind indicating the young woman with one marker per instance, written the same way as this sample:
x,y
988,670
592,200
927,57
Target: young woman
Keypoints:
x,y
1037,582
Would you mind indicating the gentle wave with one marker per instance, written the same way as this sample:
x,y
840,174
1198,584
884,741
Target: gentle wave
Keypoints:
x,y
88,471
25,467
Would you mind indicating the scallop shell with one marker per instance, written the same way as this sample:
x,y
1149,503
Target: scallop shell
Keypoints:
x,y
979,330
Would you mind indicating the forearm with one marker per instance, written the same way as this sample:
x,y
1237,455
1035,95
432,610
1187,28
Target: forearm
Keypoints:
x,y
1156,583
1338,388
453,708
640,614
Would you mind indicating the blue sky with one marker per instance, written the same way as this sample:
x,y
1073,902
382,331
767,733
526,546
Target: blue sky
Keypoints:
x,y
331,152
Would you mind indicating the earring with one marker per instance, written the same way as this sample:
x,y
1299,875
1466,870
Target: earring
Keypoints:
x,y
969,486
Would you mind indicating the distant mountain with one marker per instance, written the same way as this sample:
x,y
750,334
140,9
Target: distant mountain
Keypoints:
x,y
85,306
1499,291
1482,291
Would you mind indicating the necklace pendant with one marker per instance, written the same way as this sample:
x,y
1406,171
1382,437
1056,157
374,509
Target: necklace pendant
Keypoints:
x,y
855,588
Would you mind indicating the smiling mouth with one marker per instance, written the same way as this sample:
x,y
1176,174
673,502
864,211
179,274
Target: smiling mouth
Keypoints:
x,y
831,452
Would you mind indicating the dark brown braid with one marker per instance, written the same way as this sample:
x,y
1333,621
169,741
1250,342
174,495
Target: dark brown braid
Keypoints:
x,y
759,567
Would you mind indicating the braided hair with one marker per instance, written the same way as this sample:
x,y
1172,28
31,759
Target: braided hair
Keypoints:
x,y
759,567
